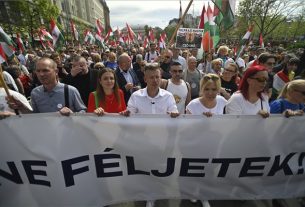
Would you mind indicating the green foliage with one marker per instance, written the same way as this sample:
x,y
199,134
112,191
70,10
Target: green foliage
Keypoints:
x,y
169,30
296,45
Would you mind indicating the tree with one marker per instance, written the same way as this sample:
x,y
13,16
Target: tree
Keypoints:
x,y
267,14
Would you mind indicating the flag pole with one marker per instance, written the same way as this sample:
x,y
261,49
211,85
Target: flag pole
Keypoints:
x,y
3,83
180,22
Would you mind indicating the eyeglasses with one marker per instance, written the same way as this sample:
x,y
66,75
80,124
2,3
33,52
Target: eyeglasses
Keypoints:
x,y
208,77
261,80
302,92
229,71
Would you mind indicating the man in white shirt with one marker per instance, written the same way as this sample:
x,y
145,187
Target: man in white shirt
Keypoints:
x,y
153,54
152,99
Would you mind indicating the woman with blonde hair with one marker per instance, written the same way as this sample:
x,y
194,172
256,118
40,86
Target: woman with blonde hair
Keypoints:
x,y
291,99
209,103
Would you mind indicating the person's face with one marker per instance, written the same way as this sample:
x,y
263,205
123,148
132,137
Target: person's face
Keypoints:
x,y
167,57
125,63
152,79
45,73
229,71
57,60
152,47
176,72
258,81
192,63
210,91
107,80
81,64
269,64
298,95
217,66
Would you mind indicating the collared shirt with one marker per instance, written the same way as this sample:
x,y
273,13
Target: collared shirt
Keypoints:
x,y
127,76
141,103
52,101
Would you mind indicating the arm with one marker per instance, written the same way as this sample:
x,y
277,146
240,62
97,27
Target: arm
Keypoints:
x,y
91,103
189,94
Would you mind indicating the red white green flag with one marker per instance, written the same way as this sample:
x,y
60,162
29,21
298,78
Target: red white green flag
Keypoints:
x,y
2,55
20,44
151,35
7,43
99,27
56,34
46,34
245,40
74,31
109,34
131,33
227,9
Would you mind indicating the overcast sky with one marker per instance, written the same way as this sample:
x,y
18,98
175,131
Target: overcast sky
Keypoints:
x,y
153,13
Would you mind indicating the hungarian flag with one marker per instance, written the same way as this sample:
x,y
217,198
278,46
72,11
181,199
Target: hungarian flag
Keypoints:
x,y
227,9
162,43
20,44
99,40
139,36
119,35
131,33
56,34
214,28
46,34
201,23
89,38
99,27
145,43
261,40
2,55
151,35
207,41
7,43
74,31
109,34
245,40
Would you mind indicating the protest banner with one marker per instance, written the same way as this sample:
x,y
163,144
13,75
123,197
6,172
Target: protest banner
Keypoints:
x,y
189,38
85,160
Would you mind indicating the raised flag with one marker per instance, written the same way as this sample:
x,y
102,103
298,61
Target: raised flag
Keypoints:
x,y
151,35
74,31
261,40
139,36
109,34
56,34
46,34
41,38
145,43
99,40
99,27
119,35
20,44
227,8
162,43
5,38
245,40
131,33
201,23
2,55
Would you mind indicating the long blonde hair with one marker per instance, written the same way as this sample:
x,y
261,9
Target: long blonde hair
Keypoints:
x,y
290,86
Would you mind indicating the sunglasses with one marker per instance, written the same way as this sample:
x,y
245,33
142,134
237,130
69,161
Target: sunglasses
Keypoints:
x,y
261,80
302,92
213,78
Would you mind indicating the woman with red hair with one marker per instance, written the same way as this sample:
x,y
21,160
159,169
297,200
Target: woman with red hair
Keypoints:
x,y
251,98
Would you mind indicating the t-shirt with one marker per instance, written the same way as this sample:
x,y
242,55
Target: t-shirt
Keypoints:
x,y
197,108
238,105
280,105
111,105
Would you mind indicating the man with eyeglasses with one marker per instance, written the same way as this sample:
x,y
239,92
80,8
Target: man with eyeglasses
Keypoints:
x,y
268,60
178,87
166,64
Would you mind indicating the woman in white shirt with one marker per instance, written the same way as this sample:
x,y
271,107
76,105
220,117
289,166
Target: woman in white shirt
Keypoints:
x,y
251,99
209,103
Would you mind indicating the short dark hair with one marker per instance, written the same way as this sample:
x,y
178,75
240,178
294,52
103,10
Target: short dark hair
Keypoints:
x,y
263,58
175,64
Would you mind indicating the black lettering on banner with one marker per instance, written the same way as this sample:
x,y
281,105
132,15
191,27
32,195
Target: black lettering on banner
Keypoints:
x,y
225,163
277,166
131,167
27,165
14,175
300,162
69,172
101,166
169,169
244,172
186,166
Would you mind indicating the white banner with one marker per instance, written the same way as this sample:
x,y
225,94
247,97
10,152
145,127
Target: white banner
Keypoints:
x,y
84,160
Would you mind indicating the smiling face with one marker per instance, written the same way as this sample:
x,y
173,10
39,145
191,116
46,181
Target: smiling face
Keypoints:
x,y
107,80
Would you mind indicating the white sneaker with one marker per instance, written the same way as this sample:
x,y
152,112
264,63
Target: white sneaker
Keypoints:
x,y
150,203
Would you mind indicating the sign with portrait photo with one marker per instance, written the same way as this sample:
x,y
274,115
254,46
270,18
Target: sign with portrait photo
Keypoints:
x,y
189,38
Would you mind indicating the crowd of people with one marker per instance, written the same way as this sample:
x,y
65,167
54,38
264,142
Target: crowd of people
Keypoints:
x,y
137,80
